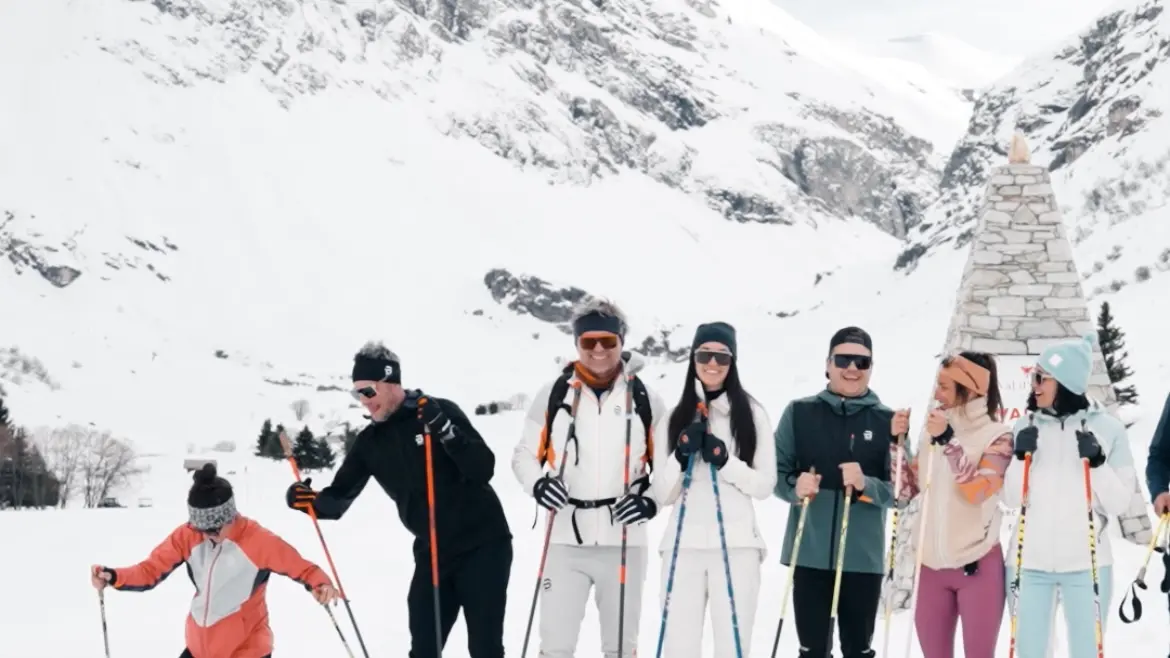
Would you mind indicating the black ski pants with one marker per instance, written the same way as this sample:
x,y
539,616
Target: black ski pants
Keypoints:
x,y
857,608
475,582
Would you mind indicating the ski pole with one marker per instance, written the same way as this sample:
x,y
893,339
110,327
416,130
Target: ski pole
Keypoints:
x,y
552,515
893,545
287,446
682,511
105,628
1093,555
434,535
792,569
1140,581
920,549
336,627
726,560
840,566
1015,605
625,528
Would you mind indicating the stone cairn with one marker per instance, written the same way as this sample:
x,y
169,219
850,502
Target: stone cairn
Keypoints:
x,y
1020,290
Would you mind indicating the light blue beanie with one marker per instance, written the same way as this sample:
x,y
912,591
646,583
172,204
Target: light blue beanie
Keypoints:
x,y
1070,362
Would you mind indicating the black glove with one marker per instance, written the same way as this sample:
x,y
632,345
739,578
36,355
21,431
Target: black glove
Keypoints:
x,y
1090,448
431,415
550,493
945,437
634,508
1026,441
690,442
714,451
300,495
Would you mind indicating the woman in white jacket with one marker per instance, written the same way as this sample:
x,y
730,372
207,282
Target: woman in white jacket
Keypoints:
x,y
1063,428
745,468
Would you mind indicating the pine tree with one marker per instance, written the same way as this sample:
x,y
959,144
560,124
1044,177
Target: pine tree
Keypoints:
x,y
1112,341
4,418
326,458
305,450
268,443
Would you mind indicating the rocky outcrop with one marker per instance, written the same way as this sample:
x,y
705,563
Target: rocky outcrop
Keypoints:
x,y
531,295
1096,93
578,90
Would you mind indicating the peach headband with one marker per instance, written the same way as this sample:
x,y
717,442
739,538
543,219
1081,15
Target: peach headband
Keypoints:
x,y
971,375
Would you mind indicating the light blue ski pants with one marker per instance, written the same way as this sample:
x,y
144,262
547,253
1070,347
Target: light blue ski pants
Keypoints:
x,y
1038,590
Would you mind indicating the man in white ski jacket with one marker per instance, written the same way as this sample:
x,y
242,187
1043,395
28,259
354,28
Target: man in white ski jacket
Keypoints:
x,y
590,500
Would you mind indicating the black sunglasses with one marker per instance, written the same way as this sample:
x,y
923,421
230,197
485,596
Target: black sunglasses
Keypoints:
x,y
704,357
363,392
843,361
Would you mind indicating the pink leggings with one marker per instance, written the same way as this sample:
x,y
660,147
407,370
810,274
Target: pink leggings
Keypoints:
x,y
947,595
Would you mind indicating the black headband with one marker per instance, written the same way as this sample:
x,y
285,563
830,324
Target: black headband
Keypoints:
x,y
598,322
370,369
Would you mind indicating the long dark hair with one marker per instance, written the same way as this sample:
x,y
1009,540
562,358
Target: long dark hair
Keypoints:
x,y
963,394
1066,403
743,423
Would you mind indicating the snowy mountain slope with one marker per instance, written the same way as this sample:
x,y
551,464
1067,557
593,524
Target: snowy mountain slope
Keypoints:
x,y
1095,112
958,63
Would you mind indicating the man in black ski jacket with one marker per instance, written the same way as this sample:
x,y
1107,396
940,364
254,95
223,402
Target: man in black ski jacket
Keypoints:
x,y
1158,463
474,541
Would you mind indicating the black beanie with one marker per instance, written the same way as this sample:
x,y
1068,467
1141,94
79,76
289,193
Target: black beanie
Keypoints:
x,y
210,503
718,332
855,335
373,369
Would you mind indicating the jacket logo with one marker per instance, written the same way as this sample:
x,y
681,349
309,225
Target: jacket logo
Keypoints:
x,y
547,584
418,439
617,410
867,435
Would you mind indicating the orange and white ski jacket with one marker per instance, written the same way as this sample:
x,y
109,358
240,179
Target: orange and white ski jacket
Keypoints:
x,y
229,616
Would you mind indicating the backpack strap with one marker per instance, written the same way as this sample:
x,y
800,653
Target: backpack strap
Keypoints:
x,y
646,414
556,402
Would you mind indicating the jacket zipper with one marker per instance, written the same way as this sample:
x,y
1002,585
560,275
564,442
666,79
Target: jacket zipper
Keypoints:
x,y
597,470
837,498
207,592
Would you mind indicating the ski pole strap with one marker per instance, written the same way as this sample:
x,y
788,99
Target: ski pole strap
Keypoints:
x,y
588,504
1137,603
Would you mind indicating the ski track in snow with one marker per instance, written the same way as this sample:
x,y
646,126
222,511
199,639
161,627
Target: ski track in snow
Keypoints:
x,y
286,257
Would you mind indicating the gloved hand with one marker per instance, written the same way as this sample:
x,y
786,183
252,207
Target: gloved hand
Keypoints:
x,y
431,415
550,493
690,443
715,451
1026,441
1089,448
300,495
634,508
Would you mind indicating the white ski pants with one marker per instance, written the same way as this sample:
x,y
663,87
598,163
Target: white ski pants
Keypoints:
x,y
700,578
569,575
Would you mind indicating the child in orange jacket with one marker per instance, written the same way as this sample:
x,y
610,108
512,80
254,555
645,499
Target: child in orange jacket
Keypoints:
x,y
229,558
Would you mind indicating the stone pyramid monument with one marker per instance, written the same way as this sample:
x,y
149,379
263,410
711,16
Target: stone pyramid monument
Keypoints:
x,y
1020,290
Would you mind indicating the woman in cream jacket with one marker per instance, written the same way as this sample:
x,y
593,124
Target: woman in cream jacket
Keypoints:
x,y
746,470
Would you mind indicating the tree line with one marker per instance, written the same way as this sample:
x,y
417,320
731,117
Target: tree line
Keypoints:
x,y
311,453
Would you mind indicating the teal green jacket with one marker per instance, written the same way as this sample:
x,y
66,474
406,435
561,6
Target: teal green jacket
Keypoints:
x,y
825,431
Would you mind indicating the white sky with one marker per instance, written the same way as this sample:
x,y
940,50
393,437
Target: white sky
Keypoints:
x,y
1010,27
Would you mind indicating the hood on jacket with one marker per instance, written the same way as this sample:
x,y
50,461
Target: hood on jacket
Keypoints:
x,y
844,406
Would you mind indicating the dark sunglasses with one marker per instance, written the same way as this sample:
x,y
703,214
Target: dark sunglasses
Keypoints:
x,y
1039,377
843,361
703,357
606,342
363,392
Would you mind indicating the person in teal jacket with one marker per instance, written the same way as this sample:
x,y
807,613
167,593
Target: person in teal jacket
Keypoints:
x,y
1063,429
828,444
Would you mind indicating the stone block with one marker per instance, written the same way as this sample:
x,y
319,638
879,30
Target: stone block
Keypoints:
x,y
1027,170
984,322
1016,248
984,293
1035,305
1008,206
1020,276
1026,180
1044,235
1059,250
1040,207
1008,323
1056,267
1067,291
1081,327
1040,329
1038,345
1018,237
998,346
1004,334
986,278
1045,313
997,217
973,307
1010,190
982,257
1081,313
1006,306
1061,277
1034,290
1040,189
1049,217
1002,179
990,237
1062,303
1024,215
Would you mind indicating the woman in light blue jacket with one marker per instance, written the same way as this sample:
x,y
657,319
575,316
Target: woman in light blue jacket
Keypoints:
x,y
1062,429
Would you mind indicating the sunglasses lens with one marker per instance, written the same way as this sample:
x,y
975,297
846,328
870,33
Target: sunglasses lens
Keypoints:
x,y
606,342
721,358
364,392
843,361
